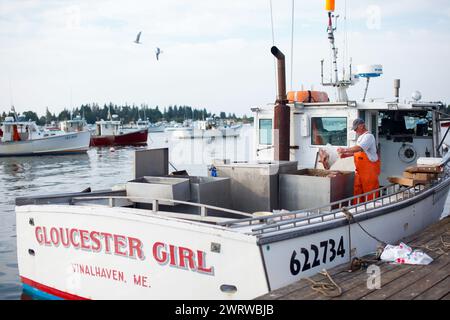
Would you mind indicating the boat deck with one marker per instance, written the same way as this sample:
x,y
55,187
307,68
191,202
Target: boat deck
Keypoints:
x,y
398,282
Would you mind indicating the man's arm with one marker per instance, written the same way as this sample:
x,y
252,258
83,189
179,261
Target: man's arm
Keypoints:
x,y
348,152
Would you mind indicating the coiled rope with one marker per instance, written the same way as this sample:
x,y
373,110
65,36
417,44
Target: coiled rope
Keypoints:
x,y
324,287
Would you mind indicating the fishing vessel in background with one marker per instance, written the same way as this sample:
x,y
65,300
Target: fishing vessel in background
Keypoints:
x,y
74,125
111,133
157,127
24,138
206,129
250,227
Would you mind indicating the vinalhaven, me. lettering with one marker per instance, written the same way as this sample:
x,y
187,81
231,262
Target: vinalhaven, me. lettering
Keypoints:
x,y
99,272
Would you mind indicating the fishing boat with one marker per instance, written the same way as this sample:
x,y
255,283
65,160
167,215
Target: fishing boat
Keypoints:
x,y
157,127
111,133
249,227
52,129
74,125
205,129
24,138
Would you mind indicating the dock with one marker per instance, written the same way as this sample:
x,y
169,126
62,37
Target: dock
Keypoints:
x,y
397,281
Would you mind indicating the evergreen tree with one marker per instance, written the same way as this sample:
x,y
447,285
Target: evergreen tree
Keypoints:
x,y
31,115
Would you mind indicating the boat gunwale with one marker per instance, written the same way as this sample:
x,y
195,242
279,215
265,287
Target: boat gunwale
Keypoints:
x,y
304,230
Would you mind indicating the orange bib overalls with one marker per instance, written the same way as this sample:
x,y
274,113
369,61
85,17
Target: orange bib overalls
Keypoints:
x,y
366,175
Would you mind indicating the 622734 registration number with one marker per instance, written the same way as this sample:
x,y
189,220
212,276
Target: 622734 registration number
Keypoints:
x,y
307,258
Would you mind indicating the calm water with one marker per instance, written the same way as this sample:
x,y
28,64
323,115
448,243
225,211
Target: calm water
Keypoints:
x,y
99,168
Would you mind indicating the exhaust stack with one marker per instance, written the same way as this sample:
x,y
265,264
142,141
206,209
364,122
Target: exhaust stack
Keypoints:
x,y
281,112
397,89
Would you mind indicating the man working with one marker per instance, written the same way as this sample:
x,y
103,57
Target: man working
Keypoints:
x,y
367,162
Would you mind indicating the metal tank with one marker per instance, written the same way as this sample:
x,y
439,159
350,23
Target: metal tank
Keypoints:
x,y
309,188
254,185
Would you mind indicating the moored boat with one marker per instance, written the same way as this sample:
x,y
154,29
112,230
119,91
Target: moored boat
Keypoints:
x,y
74,125
24,138
206,129
157,127
110,133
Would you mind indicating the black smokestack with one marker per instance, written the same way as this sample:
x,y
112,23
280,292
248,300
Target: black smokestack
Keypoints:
x,y
281,112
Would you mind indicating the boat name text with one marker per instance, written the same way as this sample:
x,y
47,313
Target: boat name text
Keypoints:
x,y
95,241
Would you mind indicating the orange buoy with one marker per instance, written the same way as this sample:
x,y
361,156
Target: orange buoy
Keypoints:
x,y
307,96
329,5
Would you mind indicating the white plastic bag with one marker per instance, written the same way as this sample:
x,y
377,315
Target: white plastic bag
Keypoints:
x,y
403,254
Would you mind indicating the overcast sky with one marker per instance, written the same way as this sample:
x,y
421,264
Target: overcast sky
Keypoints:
x,y
216,54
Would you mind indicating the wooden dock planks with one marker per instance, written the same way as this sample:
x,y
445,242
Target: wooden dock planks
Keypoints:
x,y
398,282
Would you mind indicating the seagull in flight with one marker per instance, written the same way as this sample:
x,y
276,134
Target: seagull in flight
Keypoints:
x,y
138,37
158,52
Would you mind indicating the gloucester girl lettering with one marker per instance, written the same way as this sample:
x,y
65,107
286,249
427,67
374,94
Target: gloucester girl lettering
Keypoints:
x,y
164,254
93,241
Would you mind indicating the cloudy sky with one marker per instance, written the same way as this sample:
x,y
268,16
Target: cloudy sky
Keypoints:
x,y
216,54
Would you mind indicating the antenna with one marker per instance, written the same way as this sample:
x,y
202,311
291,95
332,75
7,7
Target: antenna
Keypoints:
x,y
340,85
10,93
109,113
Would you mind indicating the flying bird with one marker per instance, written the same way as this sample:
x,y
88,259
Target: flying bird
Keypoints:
x,y
138,37
158,52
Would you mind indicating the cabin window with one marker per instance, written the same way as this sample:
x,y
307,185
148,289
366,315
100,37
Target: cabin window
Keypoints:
x,y
405,124
265,131
329,130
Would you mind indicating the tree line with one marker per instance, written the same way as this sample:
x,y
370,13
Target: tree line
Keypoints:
x,y
127,114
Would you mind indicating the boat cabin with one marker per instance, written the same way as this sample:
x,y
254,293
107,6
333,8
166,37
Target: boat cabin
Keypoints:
x,y
109,127
75,125
404,132
21,130
142,124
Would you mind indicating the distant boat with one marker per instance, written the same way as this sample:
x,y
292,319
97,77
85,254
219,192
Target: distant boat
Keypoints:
x,y
24,138
74,125
110,133
52,129
206,129
157,127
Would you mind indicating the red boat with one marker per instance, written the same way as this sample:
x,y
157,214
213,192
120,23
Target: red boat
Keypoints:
x,y
110,133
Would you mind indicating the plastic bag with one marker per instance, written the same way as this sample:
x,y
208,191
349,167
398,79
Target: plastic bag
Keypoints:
x,y
403,254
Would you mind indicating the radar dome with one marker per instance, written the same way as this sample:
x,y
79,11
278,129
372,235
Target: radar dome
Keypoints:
x,y
416,95
369,71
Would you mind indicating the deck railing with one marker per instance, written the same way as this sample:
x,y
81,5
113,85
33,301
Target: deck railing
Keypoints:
x,y
156,202
383,196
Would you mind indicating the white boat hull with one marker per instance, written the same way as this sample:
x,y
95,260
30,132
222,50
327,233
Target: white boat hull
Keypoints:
x,y
126,253
60,267
160,128
390,228
59,144
205,134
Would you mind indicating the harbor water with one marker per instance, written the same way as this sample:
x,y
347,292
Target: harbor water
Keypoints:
x,y
100,168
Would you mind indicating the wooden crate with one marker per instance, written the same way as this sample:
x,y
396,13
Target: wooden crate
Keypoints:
x,y
408,182
420,176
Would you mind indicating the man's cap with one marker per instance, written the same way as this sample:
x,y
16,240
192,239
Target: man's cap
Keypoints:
x,y
357,122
